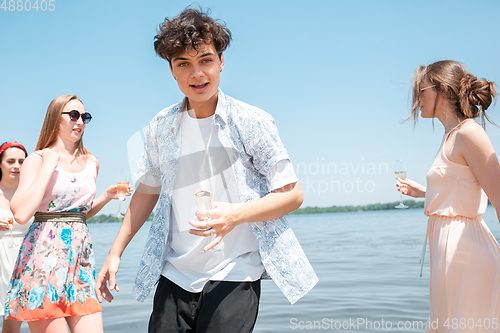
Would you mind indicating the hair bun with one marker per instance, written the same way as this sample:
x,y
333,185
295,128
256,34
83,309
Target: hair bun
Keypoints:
x,y
474,93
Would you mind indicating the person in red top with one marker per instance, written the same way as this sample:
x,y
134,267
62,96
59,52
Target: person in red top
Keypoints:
x,y
12,156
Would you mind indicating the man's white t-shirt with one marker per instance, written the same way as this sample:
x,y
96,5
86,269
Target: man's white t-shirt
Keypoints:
x,y
236,257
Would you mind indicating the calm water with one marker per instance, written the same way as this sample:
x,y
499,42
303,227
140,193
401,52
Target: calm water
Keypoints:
x,y
367,264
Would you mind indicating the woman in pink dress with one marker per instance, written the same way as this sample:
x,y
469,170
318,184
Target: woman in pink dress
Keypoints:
x,y
465,257
52,285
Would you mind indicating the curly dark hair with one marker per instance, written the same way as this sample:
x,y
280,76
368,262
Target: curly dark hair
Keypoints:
x,y
192,28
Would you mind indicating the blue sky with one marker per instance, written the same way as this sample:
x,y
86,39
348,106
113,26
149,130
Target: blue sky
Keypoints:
x,y
334,74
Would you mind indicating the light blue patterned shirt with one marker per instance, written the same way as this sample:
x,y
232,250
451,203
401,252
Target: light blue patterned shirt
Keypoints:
x,y
253,141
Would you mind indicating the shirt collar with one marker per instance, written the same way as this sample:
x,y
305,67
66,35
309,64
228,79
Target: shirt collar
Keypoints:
x,y
220,109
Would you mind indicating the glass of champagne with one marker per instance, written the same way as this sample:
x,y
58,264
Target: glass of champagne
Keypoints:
x,y
400,172
6,214
203,199
122,189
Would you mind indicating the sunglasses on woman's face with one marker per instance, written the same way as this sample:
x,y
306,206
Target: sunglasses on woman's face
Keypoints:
x,y
74,115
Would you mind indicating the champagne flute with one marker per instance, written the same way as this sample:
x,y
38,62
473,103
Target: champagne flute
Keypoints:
x,y
400,172
203,199
122,189
6,214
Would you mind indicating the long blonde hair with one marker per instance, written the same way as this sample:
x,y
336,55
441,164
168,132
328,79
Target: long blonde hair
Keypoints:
x,y
50,128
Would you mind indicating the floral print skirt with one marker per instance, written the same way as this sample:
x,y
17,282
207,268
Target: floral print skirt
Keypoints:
x,y
54,275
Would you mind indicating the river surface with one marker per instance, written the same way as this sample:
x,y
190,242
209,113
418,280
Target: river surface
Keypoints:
x,y
367,264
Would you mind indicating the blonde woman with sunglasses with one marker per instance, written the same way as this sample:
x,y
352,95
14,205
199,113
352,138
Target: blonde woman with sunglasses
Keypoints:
x,y
52,285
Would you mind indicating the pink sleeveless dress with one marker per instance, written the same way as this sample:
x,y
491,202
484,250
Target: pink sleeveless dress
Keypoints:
x,y
465,257
54,275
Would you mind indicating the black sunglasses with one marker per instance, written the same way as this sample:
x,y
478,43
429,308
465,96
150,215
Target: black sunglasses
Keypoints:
x,y
74,115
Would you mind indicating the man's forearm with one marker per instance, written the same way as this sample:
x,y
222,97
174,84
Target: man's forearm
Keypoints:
x,y
276,204
140,207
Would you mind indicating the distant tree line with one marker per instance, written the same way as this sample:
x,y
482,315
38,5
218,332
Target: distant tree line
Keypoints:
x,y
109,218
307,210
341,209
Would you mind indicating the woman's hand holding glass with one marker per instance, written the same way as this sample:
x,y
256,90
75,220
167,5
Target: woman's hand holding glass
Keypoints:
x,y
112,193
122,188
410,188
6,216
4,224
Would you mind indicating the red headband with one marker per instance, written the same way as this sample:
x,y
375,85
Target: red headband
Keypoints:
x,y
11,144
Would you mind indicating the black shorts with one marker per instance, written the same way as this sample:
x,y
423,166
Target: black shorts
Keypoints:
x,y
221,306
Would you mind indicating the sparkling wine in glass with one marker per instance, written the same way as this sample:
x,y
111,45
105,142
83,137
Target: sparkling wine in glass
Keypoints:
x,y
400,172
203,199
122,189
7,215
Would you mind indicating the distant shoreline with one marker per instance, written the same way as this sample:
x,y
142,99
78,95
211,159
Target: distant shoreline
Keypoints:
x,y
109,218
343,209
307,210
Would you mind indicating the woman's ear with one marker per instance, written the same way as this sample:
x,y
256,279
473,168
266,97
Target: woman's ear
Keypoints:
x,y
443,88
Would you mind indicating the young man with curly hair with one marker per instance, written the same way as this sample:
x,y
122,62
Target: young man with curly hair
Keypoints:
x,y
232,151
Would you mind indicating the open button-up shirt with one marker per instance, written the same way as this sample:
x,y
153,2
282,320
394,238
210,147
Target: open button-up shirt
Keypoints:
x,y
252,139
